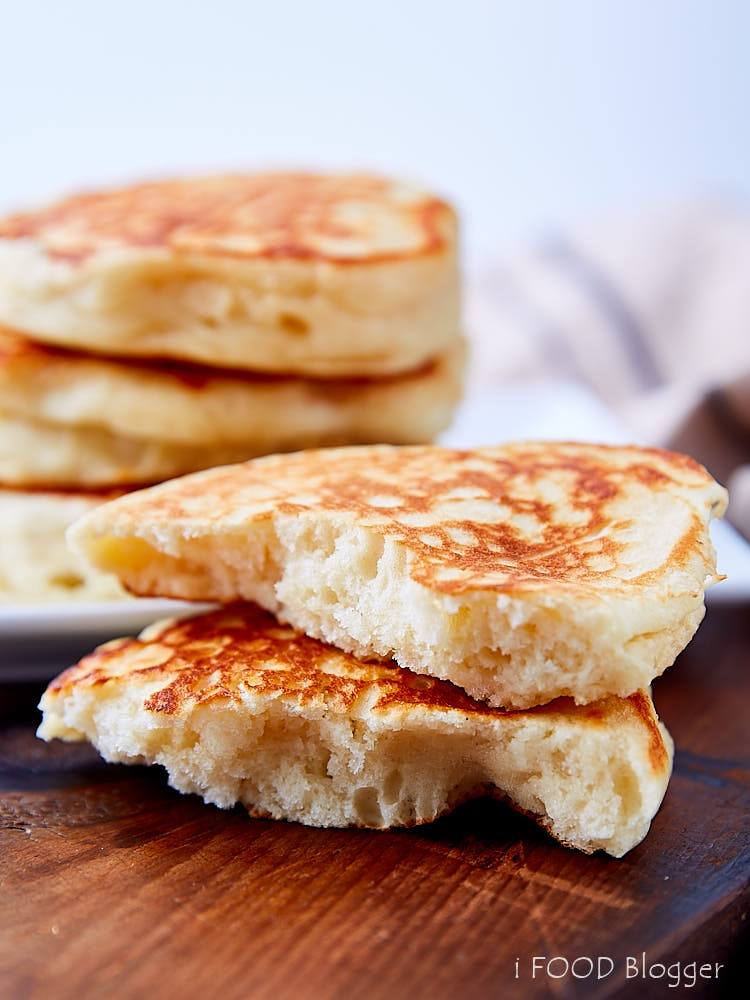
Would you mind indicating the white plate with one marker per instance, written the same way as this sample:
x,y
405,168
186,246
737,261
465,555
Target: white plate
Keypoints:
x,y
113,618
39,640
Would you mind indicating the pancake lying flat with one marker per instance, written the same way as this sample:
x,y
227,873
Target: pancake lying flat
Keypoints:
x,y
520,573
241,709
34,454
311,274
35,563
200,407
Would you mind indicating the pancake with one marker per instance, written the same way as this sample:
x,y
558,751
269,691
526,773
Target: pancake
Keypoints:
x,y
36,564
238,708
324,275
521,573
38,455
200,407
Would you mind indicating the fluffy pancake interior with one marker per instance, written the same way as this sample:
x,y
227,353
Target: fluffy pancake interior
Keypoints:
x,y
238,708
588,582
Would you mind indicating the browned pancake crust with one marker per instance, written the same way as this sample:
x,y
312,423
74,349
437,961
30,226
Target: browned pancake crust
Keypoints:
x,y
217,657
409,494
273,215
101,494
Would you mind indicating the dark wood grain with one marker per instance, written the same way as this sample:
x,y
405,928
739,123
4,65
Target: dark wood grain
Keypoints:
x,y
113,885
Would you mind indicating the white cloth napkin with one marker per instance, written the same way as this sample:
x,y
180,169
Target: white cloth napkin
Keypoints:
x,y
650,311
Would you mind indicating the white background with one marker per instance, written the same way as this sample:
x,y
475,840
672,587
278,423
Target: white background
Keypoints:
x,y
527,113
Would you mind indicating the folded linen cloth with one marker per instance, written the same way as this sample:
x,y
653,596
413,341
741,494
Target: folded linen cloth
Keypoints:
x,y
651,311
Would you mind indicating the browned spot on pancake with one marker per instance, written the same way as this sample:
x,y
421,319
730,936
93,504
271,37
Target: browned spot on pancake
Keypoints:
x,y
545,512
222,655
90,670
346,219
14,346
644,710
100,493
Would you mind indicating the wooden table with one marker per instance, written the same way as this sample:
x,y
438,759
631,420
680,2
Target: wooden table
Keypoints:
x,y
115,886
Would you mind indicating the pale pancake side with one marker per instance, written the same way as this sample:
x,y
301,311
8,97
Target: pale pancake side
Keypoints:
x,y
190,405
36,455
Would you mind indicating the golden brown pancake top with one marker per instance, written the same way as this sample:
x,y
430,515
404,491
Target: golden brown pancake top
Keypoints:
x,y
64,491
222,655
216,655
346,219
493,518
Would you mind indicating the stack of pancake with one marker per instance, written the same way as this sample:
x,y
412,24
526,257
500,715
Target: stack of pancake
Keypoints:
x,y
427,625
155,330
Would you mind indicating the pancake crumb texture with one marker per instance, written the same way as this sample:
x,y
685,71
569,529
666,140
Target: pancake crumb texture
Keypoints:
x,y
238,708
521,573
